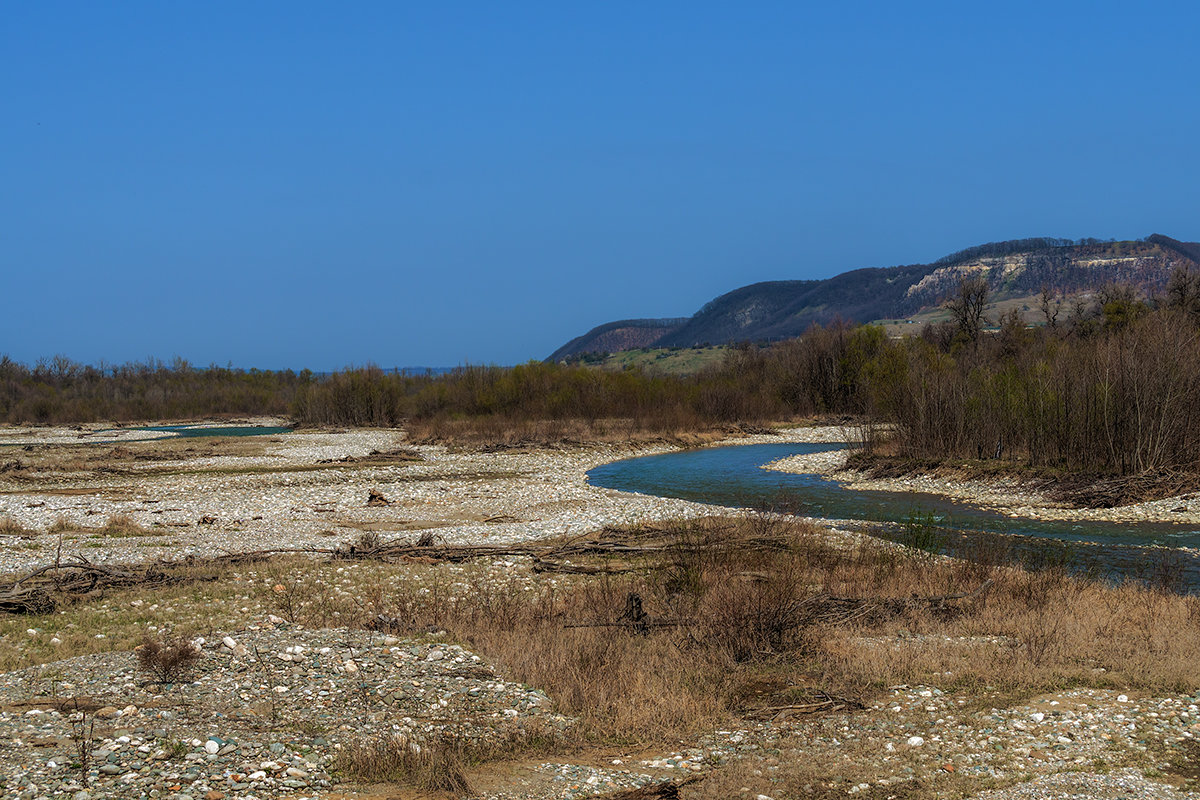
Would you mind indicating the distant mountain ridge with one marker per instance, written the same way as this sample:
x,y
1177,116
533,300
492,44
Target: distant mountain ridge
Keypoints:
x,y
774,310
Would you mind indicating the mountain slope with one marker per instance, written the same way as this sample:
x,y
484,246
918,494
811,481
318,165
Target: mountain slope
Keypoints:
x,y
782,309
625,334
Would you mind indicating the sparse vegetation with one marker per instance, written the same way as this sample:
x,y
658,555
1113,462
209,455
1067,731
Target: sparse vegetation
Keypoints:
x,y
10,527
168,660
442,764
122,525
744,616
83,736
437,766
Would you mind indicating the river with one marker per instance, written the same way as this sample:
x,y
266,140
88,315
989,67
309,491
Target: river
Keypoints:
x,y
733,476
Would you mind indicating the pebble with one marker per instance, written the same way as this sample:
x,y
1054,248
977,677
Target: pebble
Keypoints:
x,y
219,717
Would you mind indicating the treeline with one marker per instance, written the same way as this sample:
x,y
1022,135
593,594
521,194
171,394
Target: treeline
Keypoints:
x,y
1120,397
535,391
62,391
1111,386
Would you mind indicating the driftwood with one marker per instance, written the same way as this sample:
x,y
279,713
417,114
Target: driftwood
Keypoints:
x,y
36,592
826,609
822,703
1126,489
543,564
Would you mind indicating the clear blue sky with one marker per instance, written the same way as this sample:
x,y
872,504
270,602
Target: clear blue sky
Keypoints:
x,y
291,184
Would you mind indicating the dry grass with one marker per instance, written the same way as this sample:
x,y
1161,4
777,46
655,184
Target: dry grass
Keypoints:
x,y
130,458
1033,630
734,629
10,527
122,525
435,766
61,525
443,764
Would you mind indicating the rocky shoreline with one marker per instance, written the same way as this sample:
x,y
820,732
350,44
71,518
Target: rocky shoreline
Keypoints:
x,y
1005,497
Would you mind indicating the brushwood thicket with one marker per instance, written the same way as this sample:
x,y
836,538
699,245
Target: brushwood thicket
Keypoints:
x,y
1109,386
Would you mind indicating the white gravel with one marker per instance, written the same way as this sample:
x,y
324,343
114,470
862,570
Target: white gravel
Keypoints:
x,y
285,498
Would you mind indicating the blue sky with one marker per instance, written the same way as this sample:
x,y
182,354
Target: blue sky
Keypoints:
x,y
290,184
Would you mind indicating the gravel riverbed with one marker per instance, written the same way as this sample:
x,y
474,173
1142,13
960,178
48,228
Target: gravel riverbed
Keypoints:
x,y
270,706
268,710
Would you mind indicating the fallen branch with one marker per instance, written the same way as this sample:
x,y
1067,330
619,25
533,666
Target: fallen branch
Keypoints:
x,y
823,704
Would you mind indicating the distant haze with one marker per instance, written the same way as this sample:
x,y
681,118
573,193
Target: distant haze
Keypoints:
x,y
318,185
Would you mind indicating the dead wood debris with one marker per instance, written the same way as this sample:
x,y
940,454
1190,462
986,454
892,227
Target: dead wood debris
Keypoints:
x,y
36,592
821,703
376,498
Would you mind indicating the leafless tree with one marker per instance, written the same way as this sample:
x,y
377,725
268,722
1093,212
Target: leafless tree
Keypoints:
x,y
967,306
1050,305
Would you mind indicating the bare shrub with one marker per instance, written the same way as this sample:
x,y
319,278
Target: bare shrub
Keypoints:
x,y
749,617
83,728
169,660
369,540
10,527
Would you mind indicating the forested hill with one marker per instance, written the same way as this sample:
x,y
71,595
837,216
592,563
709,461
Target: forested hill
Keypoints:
x,y
782,309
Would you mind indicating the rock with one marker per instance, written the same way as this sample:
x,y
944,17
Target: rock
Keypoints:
x,y
214,795
435,655
108,712
376,498
211,747
915,741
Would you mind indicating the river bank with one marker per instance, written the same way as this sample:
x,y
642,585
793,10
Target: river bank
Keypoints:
x,y
1007,497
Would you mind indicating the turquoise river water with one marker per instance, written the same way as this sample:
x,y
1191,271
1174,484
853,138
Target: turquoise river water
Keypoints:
x,y
733,476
